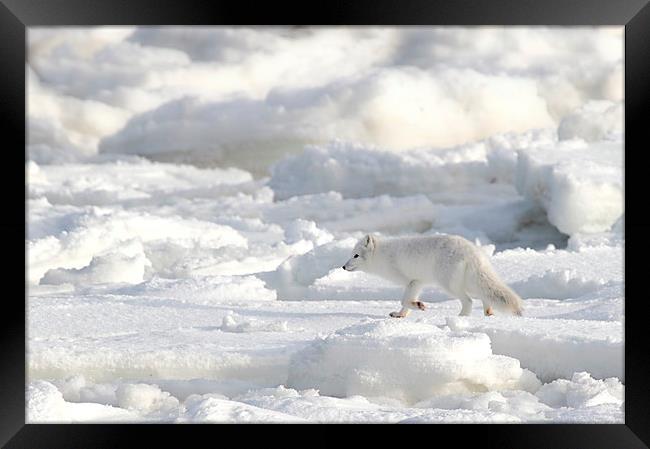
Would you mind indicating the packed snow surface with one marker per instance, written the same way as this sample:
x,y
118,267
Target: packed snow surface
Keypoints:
x,y
192,194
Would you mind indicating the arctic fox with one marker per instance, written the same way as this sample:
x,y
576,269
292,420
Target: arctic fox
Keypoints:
x,y
450,261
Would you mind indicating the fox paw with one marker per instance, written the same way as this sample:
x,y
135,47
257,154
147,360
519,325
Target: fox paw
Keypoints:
x,y
419,304
396,315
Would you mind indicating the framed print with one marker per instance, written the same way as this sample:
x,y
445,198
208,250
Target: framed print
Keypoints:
x,y
368,213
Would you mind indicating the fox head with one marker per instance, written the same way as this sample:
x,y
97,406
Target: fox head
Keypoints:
x,y
361,254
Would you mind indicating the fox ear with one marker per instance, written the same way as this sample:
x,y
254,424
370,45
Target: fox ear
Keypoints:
x,y
369,242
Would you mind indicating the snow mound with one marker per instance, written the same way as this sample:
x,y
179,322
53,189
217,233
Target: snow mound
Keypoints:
x,y
579,185
96,231
309,404
124,263
406,361
218,409
356,170
45,404
553,348
582,391
145,398
235,323
593,121
516,406
300,229
614,238
296,273
64,128
389,106
563,400
79,389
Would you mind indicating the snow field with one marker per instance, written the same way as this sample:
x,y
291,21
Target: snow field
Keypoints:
x,y
459,366
148,221
183,267
141,257
167,93
193,301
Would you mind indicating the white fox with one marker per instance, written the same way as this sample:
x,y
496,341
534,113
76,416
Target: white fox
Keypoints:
x,y
450,261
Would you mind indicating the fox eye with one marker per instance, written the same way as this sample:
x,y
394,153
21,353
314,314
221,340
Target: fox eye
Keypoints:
x,y
356,255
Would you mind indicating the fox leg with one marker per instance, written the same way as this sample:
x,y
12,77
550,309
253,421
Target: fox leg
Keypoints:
x,y
410,299
401,314
487,308
466,302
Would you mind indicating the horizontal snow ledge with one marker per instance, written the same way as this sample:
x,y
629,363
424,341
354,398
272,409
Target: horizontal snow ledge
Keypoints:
x,y
180,361
556,348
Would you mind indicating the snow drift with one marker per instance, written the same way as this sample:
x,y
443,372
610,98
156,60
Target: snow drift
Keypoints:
x,y
393,107
579,185
556,348
405,361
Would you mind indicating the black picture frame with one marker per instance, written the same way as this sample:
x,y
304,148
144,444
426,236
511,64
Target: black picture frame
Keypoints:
x,y
17,15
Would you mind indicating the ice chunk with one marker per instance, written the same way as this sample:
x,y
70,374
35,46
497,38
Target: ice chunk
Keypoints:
x,y
593,121
406,361
580,185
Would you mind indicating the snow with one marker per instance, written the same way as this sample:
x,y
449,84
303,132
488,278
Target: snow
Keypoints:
x,y
207,408
595,120
559,176
583,394
45,404
391,105
357,171
124,263
144,398
563,179
234,323
174,92
192,194
554,348
97,230
404,361
581,391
